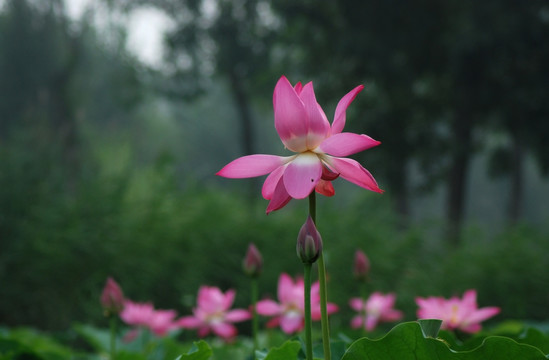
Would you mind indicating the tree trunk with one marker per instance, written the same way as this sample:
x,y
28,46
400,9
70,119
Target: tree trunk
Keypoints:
x,y
243,107
517,180
246,125
457,180
64,121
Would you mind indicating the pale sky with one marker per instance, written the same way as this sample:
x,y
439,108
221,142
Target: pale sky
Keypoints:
x,y
145,28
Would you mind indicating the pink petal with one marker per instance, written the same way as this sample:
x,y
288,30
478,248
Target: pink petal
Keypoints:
x,y
331,308
356,322
357,304
162,322
285,288
430,303
268,307
237,315
271,182
482,314
302,175
210,299
391,315
371,322
202,314
316,313
352,171
430,308
339,117
298,88
470,299
137,313
292,323
280,197
224,330
189,322
328,174
203,331
325,188
344,144
228,299
290,116
318,126
315,291
422,301
251,166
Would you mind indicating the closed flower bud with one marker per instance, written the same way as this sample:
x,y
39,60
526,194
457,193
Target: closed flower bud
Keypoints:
x,y
309,242
253,262
112,298
362,266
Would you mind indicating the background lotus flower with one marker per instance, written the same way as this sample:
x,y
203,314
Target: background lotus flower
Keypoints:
x,y
456,313
112,297
289,312
320,149
253,261
377,308
159,322
361,269
212,313
138,314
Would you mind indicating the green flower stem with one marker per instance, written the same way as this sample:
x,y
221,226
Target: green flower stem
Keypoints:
x,y
312,206
364,297
145,339
323,291
324,308
255,325
113,336
308,320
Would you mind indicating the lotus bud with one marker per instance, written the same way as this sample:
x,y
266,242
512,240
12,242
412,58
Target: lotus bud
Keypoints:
x,y
362,266
112,298
253,262
309,242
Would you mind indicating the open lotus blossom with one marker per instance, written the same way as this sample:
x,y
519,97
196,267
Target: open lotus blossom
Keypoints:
x,y
320,149
456,313
212,313
377,308
289,313
159,322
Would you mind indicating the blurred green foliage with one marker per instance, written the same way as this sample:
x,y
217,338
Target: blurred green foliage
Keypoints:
x,y
508,341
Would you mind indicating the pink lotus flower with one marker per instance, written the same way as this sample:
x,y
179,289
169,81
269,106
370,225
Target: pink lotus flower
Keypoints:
x,y
112,297
377,308
362,266
289,313
456,313
212,314
159,322
253,261
321,149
